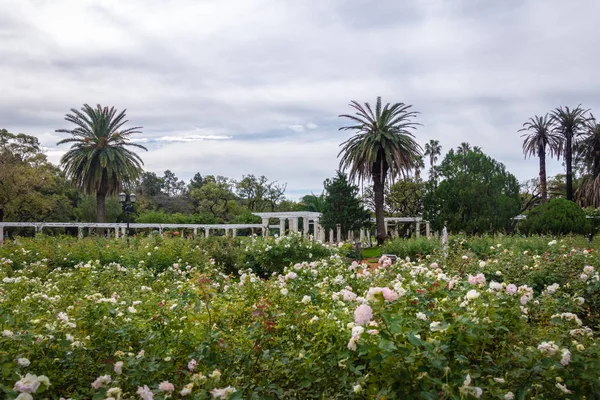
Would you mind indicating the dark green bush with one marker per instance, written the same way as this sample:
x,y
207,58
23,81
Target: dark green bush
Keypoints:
x,y
557,217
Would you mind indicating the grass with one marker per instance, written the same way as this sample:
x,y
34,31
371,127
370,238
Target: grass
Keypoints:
x,y
372,252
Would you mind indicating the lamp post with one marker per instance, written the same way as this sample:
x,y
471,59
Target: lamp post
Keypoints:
x,y
127,205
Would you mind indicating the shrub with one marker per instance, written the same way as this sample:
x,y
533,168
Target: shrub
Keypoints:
x,y
413,248
267,255
557,217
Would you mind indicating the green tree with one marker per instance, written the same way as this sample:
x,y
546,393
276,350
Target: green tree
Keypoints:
x,y
87,209
196,182
313,202
382,146
588,157
216,198
539,139
31,188
253,191
570,123
149,184
419,165
432,150
405,198
476,195
342,206
172,186
464,148
99,161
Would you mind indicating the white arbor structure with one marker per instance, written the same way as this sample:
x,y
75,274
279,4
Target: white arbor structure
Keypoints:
x,y
288,222
293,218
119,228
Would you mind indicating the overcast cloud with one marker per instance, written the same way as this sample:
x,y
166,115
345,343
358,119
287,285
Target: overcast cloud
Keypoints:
x,y
234,87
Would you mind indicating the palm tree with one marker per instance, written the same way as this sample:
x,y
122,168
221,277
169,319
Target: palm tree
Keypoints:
x,y
541,137
382,145
588,192
98,161
433,149
419,165
569,123
313,202
463,148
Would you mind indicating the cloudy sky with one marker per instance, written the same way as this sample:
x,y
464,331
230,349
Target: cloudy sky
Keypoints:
x,y
234,87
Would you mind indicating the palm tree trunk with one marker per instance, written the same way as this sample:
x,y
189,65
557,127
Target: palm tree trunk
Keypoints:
x,y
378,187
569,162
542,155
101,204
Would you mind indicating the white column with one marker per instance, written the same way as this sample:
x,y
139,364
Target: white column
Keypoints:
x,y
265,227
305,226
234,232
362,236
206,232
418,228
427,230
281,226
339,232
195,232
226,232
331,239
123,232
116,232
1,234
386,227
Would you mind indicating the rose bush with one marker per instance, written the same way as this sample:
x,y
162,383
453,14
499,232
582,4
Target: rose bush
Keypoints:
x,y
461,327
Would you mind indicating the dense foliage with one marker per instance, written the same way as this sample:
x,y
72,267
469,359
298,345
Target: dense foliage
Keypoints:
x,y
557,217
475,195
342,206
509,324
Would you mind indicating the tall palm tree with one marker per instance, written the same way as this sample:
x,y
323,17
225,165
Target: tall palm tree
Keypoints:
x,y
463,148
419,165
433,149
569,123
539,139
98,161
588,155
383,145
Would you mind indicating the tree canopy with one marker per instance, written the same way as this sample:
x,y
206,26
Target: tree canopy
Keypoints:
x,y
475,194
342,205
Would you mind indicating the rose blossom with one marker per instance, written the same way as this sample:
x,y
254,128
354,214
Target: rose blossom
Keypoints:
x,y
511,289
166,386
101,381
145,393
28,384
23,362
363,314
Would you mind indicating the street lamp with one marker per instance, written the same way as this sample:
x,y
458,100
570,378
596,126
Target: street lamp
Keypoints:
x,y
127,208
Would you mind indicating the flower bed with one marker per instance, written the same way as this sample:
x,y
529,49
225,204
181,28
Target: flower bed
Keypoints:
x,y
432,328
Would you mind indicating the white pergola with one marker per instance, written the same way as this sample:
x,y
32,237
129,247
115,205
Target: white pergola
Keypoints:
x,y
292,217
416,220
194,228
308,217
319,233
